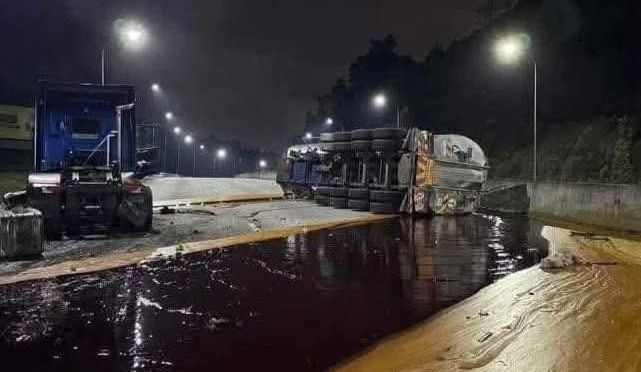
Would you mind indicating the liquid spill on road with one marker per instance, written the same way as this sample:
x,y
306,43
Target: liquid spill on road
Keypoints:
x,y
300,303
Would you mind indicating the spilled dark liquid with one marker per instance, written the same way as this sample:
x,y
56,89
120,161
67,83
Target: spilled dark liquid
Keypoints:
x,y
304,302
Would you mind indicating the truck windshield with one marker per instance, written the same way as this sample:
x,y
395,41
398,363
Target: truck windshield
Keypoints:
x,y
85,128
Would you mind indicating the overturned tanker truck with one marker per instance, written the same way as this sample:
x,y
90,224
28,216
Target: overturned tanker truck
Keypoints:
x,y
388,170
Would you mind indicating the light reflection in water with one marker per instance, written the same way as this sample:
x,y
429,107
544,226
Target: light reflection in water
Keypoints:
x,y
309,300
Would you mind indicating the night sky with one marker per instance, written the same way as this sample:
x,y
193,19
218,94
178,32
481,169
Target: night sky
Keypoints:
x,y
246,69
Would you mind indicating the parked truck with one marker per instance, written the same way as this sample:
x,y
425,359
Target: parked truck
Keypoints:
x,y
85,176
388,170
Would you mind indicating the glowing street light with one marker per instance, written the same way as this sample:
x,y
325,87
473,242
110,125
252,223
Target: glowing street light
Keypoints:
x,y
510,50
379,100
220,154
131,34
177,130
169,115
155,87
202,147
262,164
308,135
329,121
188,139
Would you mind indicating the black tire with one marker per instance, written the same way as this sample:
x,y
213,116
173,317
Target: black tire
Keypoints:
x,y
386,196
388,133
321,199
327,137
383,208
342,136
361,145
340,192
358,204
386,144
360,194
338,202
149,208
361,134
340,146
364,154
53,229
323,190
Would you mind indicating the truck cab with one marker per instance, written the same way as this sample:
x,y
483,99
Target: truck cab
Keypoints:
x,y
85,159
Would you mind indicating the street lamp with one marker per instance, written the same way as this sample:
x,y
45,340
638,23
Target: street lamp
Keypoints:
x,y
510,50
329,121
262,164
379,101
131,34
155,87
220,154
169,115
308,136
177,131
188,141
202,147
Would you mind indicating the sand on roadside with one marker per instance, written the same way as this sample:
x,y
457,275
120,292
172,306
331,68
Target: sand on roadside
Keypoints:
x,y
584,316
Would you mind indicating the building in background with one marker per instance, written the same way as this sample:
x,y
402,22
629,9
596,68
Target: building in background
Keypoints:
x,y
16,133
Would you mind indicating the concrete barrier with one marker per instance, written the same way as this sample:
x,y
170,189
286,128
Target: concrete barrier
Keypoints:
x,y
608,205
168,191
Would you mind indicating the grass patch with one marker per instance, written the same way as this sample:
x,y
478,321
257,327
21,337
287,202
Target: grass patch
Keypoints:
x,y
12,181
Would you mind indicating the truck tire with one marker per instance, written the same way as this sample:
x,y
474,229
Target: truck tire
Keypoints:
x,y
327,137
386,196
386,144
53,228
340,192
338,202
342,136
388,133
149,208
323,190
361,135
361,145
383,208
359,194
321,199
358,204
339,146
136,215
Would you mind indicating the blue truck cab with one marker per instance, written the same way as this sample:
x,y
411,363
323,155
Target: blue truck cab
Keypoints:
x,y
85,159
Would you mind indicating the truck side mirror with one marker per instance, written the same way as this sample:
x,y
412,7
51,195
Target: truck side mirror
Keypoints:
x,y
143,169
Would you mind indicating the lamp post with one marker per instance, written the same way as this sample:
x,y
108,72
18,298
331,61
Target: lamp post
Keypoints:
x,y
131,34
164,151
510,50
220,154
380,100
177,131
262,164
188,140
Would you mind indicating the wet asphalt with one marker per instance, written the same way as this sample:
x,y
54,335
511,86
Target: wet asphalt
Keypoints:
x,y
305,302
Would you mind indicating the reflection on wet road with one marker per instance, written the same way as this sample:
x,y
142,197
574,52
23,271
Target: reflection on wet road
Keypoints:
x,y
300,303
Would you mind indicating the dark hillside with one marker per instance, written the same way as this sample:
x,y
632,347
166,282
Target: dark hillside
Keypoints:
x,y
589,61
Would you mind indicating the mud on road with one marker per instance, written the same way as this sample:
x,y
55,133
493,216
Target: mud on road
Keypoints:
x,y
302,302
187,224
